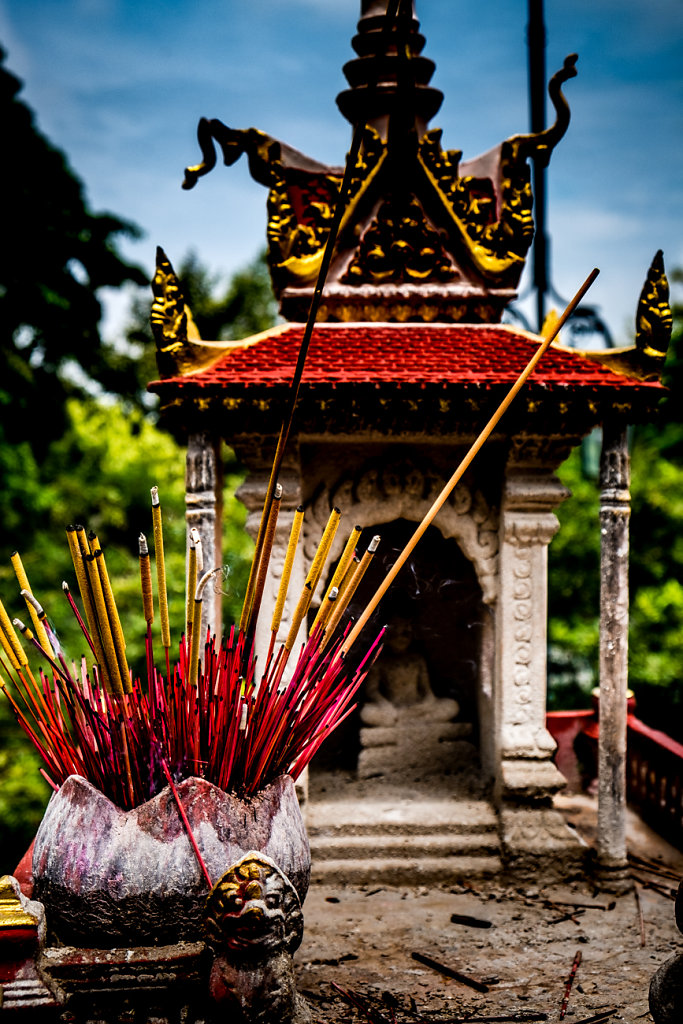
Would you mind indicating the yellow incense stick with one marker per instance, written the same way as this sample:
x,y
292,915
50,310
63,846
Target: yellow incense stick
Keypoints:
x,y
196,630
343,600
287,568
314,574
24,584
464,465
10,641
78,545
111,661
265,553
338,575
191,586
161,568
113,616
146,581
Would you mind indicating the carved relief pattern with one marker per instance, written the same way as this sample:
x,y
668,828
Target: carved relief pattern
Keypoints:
x,y
301,209
382,494
522,636
400,246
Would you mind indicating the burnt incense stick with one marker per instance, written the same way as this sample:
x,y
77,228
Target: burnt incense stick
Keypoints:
x,y
197,618
146,581
40,621
76,536
162,593
192,566
350,589
347,554
313,577
464,465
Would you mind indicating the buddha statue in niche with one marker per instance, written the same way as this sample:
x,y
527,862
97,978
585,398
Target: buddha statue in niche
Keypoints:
x,y
398,689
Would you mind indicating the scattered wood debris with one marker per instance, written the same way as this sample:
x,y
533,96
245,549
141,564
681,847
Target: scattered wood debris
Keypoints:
x,y
570,982
469,921
450,972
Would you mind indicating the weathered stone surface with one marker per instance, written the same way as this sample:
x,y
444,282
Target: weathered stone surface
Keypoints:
x,y
254,925
109,877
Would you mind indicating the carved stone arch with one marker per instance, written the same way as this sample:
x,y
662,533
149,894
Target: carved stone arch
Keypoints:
x,y
380,494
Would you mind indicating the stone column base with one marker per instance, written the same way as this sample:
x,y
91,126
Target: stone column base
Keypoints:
x,y
526,779
537,839
613,877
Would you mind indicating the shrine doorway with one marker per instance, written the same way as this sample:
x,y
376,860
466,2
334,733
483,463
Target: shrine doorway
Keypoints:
x,y
437,599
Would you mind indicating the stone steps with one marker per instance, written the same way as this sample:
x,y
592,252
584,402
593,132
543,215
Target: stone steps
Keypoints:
x,y
345,847
401,840
403,870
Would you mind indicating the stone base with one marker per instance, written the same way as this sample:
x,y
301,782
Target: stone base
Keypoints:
x,y
613,877
421,749
537,839
527,779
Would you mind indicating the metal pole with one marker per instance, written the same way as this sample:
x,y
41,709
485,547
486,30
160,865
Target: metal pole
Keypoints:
x,y
536,40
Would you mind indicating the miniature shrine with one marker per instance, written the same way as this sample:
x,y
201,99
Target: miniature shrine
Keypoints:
x,y
167,877
407,358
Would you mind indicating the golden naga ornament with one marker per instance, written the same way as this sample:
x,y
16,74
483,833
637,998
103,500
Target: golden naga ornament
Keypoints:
x,y
415,215
654,323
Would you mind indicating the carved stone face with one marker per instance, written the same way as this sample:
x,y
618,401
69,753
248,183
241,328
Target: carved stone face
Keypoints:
x,y
400,635
253,911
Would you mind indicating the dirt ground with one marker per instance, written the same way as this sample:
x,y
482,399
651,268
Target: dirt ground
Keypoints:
x,y
362,938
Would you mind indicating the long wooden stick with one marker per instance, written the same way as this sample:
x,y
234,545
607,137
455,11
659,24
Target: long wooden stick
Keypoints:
x,y
464,465
246,622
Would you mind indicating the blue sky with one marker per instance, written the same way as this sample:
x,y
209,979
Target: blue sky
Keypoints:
x,y
119,85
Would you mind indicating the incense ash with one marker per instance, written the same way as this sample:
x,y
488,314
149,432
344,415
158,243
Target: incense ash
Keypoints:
x,y
208,712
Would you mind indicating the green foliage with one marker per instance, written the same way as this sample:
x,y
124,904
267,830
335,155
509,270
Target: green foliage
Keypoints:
x,y
656,567
56,254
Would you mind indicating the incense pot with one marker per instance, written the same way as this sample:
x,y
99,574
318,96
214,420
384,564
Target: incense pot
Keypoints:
x,y
109,877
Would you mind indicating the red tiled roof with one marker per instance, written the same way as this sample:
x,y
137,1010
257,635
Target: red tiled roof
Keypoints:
x,y
423,354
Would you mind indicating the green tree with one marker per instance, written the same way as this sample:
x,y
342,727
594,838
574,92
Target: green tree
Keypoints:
x,y
56,254
656,565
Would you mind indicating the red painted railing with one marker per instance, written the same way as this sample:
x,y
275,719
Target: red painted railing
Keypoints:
x,y
654,779
654,766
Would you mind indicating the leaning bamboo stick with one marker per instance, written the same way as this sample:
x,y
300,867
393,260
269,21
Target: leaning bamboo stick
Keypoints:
x,y
338,223
464,465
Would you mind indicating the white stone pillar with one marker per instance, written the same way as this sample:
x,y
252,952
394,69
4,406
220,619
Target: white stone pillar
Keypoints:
x,y
615,512
204,508
252,494
525,747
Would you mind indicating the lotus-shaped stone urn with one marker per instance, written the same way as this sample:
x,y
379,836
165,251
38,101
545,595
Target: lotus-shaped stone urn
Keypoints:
x,y
109,877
